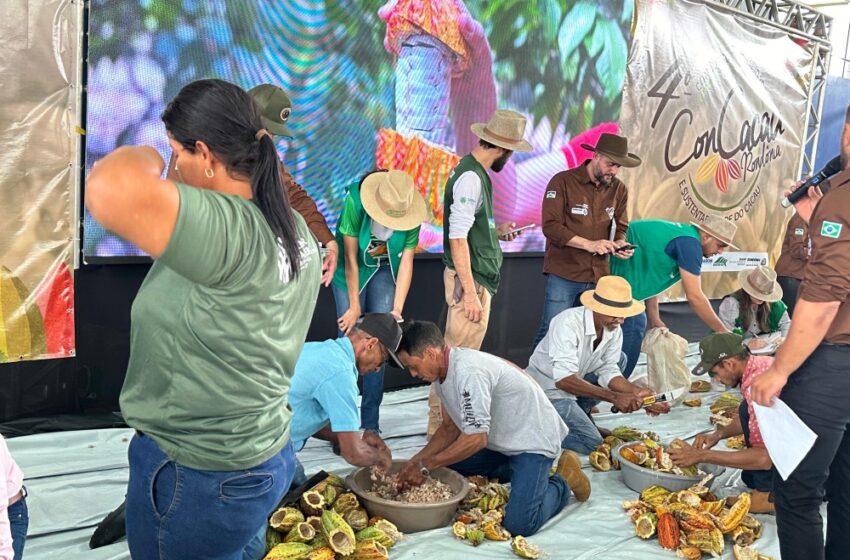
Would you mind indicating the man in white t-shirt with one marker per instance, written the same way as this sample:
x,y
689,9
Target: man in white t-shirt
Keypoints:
x,y
497,423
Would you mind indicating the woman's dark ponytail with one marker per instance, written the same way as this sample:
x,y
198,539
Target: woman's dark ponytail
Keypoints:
x,y
226,119
272,199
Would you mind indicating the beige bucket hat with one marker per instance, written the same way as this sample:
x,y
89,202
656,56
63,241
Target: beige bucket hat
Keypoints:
x,y
718,227
612,297
505,129
391,199
760,282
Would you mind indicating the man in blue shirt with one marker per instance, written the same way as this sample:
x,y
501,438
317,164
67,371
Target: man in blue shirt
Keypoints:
x,y
323,396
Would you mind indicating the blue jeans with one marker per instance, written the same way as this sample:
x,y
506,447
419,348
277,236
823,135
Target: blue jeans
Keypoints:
x,y
175,512
634,328
756,479
377,297
535,497
561,294
19,520
584,435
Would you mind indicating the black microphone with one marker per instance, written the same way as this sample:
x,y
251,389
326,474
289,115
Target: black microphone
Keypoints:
x,y
832,167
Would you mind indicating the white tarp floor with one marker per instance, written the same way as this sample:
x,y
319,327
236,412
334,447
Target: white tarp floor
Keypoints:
x,y
75,478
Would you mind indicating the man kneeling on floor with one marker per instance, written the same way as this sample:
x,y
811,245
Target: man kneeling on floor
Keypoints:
x,y
725,357
580,361
497,423
323,396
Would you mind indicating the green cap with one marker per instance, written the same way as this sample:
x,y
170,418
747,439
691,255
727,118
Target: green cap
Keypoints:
x,y
715,347
275,108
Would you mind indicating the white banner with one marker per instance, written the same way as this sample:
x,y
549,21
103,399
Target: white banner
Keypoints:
x,y
715,105
734,262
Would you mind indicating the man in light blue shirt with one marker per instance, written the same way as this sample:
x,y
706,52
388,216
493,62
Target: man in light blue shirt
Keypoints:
x,y
323,396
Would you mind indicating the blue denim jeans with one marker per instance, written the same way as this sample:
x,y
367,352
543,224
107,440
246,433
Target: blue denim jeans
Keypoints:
x,y
584,435
561,294
535,497
634,328
376,297
175,512
756,479
19,520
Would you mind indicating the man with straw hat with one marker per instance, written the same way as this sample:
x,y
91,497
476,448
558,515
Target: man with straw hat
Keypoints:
x,y
471,250
584,220
665,253
578,362
756,311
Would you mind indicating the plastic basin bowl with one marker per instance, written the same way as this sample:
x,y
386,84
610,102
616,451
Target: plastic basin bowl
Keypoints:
x,y
410,518
637,478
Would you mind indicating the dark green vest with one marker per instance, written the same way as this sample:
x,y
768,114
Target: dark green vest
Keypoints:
x,y
650,271
484,251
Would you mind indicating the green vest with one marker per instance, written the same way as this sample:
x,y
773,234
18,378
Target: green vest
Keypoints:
x,y
484,251
650,271
366,264
777,310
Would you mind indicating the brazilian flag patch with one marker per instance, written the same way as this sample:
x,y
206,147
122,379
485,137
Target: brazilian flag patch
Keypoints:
x,y
830,229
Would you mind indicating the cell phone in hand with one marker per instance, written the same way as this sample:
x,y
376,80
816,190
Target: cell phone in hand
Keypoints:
x,y
626,247
517,230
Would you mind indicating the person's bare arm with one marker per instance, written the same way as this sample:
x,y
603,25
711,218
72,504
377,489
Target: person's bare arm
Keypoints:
x,y
357,452
463,267
699,302
653,314
626,402
352,285
402,281
125,194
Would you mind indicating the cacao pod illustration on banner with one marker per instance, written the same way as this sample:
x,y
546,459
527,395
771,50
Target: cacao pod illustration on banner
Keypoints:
x,y
21,324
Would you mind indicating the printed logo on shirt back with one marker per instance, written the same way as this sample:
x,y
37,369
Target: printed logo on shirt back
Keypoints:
x,y
305,251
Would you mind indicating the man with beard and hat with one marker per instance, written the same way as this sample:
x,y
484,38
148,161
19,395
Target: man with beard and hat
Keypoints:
x,y
584,220
471,250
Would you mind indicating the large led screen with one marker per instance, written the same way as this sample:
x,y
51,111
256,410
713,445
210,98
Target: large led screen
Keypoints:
x,y
373,84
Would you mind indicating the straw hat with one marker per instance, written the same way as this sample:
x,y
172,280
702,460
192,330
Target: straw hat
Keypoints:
x,y
505,129
275,108
718,227
761,283
391,199
616,148
612,297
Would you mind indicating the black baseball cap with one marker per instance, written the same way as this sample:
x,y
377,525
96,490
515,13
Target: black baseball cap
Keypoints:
x,y
386,329
715,347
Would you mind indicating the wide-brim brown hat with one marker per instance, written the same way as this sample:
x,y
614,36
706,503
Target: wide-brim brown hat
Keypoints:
x,y
391,199
504,129
760,283
718,227
616,148
612,297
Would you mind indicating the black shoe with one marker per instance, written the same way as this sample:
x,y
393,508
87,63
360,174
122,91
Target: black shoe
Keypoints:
x,y
111,529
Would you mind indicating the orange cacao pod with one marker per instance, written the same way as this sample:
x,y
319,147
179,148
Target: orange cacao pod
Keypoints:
x,y
668,531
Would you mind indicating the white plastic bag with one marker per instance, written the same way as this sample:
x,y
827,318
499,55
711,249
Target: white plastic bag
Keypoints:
x,y
665,362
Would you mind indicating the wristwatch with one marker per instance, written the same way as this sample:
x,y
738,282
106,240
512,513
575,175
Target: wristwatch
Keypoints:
x,y
423,470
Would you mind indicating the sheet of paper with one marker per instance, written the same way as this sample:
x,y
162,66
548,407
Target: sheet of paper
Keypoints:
x,y
786,437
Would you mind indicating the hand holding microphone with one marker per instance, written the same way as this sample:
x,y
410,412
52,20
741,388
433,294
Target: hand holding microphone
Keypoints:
x,y
832,167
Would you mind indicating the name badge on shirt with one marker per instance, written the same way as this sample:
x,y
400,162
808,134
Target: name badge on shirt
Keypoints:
x,y
492,222
579,210
799,231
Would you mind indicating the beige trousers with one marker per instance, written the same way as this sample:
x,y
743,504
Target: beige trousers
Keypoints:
x,y
460,331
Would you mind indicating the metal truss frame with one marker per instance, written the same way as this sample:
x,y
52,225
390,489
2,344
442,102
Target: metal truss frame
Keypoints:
x,y
806,23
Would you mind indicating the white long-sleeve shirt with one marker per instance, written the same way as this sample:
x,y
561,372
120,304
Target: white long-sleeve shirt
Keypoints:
x,y
730,310
567,349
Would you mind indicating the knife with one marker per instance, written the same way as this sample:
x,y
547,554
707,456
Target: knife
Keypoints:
x,y
667,396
